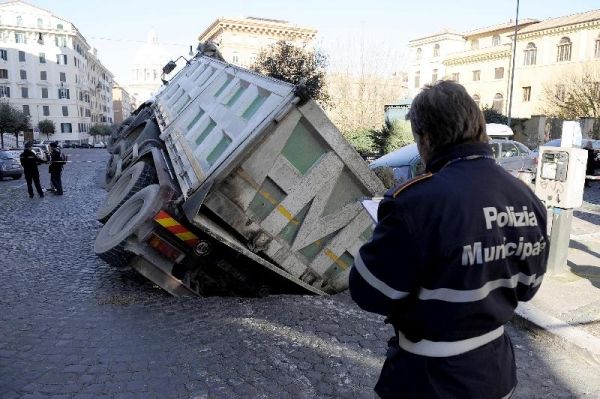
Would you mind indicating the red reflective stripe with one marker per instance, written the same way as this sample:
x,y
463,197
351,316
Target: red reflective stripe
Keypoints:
x,y
177,229
162,215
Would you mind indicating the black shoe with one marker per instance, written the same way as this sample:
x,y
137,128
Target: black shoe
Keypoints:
x,y
41,195
31,196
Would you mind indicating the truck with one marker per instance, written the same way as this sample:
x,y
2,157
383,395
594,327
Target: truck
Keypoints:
x,y
229,182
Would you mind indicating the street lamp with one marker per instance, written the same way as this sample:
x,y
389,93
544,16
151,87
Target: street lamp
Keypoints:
x,y
512,67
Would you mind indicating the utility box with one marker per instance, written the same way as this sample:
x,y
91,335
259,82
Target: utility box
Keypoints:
x,y
561,176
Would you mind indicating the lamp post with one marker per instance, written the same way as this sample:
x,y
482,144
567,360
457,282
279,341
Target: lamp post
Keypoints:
x,y
512,67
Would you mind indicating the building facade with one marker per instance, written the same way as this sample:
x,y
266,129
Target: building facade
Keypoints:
x,y
481,60
123,103
147,69
49,71
240,40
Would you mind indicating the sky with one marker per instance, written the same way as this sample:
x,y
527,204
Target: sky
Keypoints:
x,y
377,28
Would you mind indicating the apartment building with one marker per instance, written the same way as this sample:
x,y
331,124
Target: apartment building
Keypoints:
x,y
240,40
49,71
481,60
123,103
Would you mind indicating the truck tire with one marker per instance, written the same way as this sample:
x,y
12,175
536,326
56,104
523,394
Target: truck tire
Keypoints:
x,y
130,182
111,169
112,237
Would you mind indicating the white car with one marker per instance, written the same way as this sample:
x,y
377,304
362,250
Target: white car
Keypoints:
x,y
41,154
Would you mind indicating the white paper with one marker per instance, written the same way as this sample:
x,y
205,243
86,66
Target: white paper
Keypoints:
x,y
371,205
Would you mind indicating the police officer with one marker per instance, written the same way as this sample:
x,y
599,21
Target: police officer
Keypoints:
x,y
30,162
453,252
55,168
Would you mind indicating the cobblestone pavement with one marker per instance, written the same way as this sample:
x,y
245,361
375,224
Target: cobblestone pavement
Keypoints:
x,y
72,327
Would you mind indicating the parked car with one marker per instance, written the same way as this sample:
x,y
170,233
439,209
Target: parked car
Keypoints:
x,y
99,145
405,163
584,144
41,154
10,166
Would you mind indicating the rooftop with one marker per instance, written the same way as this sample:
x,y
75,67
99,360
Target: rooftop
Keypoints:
x,y
562,21
503,26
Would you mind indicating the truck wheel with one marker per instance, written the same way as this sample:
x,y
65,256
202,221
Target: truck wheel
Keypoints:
x,y
130,182
111,168
112,237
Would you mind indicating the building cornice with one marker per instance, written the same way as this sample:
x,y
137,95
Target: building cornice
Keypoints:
x,y
565,29
257,27
469,57
438,37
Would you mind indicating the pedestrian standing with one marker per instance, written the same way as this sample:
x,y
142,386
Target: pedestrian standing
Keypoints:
x,y
30,163
451,255
56,167
590,167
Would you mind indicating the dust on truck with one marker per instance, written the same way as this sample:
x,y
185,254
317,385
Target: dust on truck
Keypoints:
x,y
233,183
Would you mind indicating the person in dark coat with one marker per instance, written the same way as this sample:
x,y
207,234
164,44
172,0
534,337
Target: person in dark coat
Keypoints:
x,y
55,168
590,167
452,254
30,163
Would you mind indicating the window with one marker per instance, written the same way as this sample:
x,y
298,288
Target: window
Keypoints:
x,y
560,92
476,99
59,27
477,75
419,53
526,94
40,23
499,73
63,93
44,92
26,110
40,38
46,110
63,77
496,40
61,59
474,44
24,92
597,48
60,40
66,128
530,54
564,50
417,79
498,103
436,50
43,75
434,76
235,59
3,73
4,55
456,77
23,74
42,58
21,56
19,20
20,37
65,110
4,91
509,150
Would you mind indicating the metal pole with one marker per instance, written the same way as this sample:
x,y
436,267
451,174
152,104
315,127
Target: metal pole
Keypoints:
x,y
512,68
559,241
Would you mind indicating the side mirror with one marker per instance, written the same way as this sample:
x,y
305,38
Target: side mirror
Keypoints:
x,y
167,69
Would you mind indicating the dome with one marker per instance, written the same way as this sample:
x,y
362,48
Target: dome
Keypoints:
x,y
151,53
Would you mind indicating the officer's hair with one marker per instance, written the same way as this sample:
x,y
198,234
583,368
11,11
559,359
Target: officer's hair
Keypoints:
x,y
447,115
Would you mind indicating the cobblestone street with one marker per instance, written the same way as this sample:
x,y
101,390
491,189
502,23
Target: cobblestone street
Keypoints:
x,y
72,327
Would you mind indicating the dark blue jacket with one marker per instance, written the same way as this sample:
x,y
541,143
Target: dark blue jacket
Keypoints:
x,y
454,251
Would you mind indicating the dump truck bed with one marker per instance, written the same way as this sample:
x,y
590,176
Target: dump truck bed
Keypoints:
x,y
275,174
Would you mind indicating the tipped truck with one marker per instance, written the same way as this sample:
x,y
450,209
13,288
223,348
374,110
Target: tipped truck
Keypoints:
x,y
255,192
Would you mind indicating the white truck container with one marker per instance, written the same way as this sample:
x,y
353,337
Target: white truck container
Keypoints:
x,y
235,185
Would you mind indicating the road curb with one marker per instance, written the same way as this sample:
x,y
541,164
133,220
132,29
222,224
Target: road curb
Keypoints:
x,y
532,315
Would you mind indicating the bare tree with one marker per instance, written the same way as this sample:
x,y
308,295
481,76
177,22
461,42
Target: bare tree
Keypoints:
x,y
573,96
363,77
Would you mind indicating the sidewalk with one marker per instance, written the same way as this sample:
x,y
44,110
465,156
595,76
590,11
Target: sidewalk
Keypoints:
x,y
568,304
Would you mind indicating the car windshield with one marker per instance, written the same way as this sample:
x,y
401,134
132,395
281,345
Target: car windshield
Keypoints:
x,y
5,155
